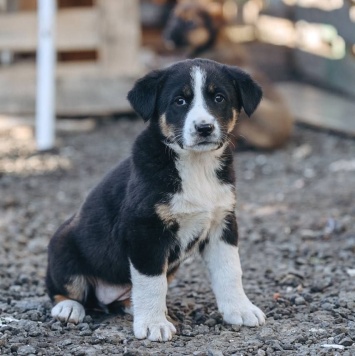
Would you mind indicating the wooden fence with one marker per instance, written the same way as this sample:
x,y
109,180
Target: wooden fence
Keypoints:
x,y
109,29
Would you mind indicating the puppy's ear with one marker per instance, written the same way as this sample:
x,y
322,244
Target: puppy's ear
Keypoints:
x,y
143,95
249,91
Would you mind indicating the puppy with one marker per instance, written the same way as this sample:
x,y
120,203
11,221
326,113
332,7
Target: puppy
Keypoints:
x,y
173,196
198,27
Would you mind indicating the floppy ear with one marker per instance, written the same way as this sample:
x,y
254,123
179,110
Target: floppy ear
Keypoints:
x,y
250,92
143,95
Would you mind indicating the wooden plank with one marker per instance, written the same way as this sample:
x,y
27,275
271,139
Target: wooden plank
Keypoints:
x,y
76,30
319,108
338,74
15,124
81,89
119,35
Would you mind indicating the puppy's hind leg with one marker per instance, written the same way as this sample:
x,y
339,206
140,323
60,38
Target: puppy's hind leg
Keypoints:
x,y
68,308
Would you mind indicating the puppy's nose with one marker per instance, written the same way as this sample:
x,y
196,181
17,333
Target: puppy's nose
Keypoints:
x,y
204,129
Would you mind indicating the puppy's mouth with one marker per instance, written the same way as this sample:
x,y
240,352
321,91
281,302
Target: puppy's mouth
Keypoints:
x,y
198,144
205,145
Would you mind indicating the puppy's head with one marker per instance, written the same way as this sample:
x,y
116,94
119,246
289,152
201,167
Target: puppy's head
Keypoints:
x,y
195,103
190,25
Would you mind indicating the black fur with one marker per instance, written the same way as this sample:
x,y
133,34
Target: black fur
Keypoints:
x,y
250,92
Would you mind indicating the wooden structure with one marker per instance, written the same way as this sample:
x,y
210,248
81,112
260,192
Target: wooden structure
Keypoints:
x,y
321,34
320,108
109,31
338,21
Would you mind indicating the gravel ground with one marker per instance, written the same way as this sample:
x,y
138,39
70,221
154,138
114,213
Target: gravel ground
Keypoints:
x,y
296,215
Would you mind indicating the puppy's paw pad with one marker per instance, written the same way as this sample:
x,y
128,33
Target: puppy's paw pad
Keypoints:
x,y
245,314
68,311
155,331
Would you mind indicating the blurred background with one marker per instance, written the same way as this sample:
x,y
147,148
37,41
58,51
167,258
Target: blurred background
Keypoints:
x,y
100,48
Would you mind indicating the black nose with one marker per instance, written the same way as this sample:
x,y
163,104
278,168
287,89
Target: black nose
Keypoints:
x,y
204,129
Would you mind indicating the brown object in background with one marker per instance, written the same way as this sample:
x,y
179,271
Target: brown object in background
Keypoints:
x,y
198,27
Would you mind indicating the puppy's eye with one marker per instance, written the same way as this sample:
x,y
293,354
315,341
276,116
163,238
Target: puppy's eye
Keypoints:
x,y
219,98
180,101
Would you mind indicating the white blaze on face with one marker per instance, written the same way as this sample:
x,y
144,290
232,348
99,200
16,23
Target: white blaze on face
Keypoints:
x,y
198,113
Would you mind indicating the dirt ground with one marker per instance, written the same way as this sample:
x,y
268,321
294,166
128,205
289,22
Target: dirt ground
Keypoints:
x,y
296,209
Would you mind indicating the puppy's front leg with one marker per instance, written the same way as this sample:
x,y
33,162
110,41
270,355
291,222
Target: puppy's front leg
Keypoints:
x,y
149,307
222,258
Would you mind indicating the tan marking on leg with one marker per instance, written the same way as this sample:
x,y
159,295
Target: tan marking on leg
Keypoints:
x,y
164,213
171,275
126,306
77,288
59,298
126,303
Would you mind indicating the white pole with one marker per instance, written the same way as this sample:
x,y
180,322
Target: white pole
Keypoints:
x,y
46,59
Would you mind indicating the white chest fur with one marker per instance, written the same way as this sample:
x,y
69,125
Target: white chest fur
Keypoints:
x,y
204,200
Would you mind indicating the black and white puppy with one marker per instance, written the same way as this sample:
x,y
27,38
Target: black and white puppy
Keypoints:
x,y
174,195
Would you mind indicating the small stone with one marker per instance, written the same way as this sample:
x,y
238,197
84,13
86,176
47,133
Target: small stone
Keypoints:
x,y
327,306
287,346
210,322
24,305
57,326
255,343
266,333
66,342
276,345
340,330
270,350
147,343
320,285
3,340
34,332
308,298
212,352
85,332
300,301
236,327
261,352
26,350
83,326
34,315
87,319
202,329
346,341
186,332
350,272
302,152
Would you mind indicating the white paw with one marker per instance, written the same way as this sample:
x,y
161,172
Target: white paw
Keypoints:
x,y
68,311
244,313
157,330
